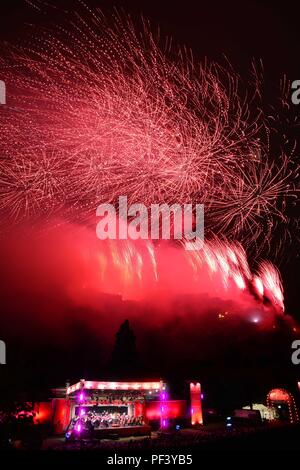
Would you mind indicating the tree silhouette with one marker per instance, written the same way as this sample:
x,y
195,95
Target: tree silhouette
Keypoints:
x,y
124,361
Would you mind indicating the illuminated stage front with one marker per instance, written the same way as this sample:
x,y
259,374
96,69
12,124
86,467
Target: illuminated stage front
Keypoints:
x,y
100,407
103,408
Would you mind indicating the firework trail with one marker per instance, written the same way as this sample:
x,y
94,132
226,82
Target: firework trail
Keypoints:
x,y
71,260
220,269
100,109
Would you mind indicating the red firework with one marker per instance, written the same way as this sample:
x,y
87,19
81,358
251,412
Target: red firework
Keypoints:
x,y
101,108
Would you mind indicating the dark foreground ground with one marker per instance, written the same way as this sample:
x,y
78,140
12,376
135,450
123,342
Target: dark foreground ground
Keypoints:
x,y
239,447
280,437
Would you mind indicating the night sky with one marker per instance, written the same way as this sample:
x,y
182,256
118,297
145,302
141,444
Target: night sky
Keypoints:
x,y
264,30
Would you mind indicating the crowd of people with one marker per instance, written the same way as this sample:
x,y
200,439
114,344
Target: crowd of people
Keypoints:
x,y
197,439
113,398
21,426
94,420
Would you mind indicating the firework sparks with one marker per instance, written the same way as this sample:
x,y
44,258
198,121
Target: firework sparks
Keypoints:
x,y
99,109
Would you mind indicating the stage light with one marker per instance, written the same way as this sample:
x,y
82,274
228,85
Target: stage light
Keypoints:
x,y
196,408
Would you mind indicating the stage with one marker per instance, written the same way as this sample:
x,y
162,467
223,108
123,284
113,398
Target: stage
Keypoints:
x,y
113,432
